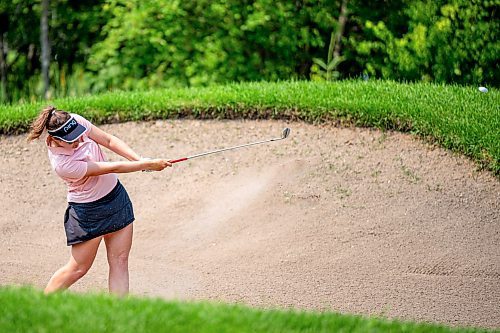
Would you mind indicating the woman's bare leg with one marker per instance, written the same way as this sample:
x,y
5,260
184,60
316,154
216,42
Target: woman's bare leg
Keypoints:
x,y
82,257
118,246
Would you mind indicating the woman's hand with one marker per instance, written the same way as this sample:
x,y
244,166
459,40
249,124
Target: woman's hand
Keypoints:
x,y
158,164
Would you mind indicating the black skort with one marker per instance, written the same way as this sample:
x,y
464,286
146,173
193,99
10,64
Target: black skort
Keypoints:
x,y
84,221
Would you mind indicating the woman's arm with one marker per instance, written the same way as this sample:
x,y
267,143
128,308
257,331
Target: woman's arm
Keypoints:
x,y
101,168
113,143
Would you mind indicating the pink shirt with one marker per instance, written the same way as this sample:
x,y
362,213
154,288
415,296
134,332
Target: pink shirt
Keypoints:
x,y
71,166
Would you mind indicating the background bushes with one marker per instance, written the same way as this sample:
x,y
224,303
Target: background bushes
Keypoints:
x,y
98,45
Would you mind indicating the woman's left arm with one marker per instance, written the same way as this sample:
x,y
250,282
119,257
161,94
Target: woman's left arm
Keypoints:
x,y
113,143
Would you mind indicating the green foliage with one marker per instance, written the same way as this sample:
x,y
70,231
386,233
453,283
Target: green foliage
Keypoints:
x,y
321,70
459,118
74,25
100,45
325,71
17,19
177,43
447,41
28,310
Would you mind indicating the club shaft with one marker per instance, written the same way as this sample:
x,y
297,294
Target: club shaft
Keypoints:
x,y
223,149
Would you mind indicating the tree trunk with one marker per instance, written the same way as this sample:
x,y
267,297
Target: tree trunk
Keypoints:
x,y
339,33
335,37
3,72
44,42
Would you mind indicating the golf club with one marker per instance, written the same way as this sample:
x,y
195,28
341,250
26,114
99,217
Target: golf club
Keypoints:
x,y
284,135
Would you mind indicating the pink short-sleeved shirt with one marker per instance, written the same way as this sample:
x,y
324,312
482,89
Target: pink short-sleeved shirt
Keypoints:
x,y
71,166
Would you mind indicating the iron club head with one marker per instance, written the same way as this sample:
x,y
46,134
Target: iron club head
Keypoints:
x,y
285,133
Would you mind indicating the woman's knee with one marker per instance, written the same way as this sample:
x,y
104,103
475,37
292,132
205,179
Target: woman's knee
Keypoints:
x,y
118,259
78,271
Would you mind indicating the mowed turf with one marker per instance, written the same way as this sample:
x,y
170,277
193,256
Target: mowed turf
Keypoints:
x,y
29,310
461,119
458,118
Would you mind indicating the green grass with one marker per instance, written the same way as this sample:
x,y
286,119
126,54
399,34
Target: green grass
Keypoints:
x,y
28,310
458,118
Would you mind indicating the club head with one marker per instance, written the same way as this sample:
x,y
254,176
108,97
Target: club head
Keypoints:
x,y
285,133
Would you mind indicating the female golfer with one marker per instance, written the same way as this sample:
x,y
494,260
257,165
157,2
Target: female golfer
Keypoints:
x,y
98,204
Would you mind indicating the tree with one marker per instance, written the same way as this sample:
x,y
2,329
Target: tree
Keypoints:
x,y
328,71
339,33
3,64
17,20
45,46
19,27
449,41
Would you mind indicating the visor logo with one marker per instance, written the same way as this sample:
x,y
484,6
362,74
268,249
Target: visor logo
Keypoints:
x,y
69,126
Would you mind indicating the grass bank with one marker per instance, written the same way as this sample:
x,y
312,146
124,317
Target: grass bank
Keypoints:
x,y
28,310
461,119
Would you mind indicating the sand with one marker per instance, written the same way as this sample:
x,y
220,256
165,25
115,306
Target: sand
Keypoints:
x,y
341,219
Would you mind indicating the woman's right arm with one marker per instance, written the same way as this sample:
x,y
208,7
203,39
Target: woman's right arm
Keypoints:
x,y
102,168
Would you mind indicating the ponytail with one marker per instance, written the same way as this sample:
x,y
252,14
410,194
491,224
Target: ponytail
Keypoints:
x,y
49,118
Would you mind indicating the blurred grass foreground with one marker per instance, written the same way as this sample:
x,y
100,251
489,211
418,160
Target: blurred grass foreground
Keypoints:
x,y
29,310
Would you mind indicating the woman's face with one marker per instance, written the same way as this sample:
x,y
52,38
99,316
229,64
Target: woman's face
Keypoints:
x,y
69,145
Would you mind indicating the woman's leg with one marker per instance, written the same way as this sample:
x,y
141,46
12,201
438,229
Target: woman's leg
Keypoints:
x,y
118,246
82,257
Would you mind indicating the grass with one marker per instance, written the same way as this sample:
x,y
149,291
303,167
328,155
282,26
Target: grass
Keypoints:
x,y
28,310
458,118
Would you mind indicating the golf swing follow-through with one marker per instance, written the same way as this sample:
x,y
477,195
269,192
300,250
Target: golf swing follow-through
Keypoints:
x,y
99,208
